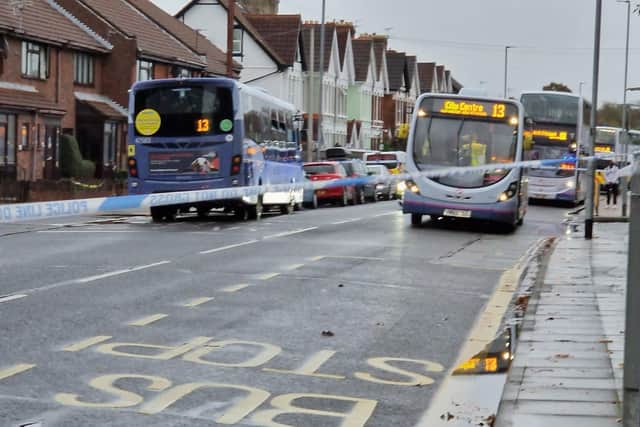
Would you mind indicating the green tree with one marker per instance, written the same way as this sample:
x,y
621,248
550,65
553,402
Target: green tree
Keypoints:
x,y
557,87
610,114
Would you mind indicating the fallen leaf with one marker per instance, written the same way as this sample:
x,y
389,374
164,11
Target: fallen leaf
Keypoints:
x,y
327,333
562,356
341,285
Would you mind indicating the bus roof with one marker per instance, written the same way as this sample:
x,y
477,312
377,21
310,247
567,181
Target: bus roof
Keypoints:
x,y
549,92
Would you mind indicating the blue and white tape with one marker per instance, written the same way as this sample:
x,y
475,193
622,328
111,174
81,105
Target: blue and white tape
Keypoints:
x,y
21,212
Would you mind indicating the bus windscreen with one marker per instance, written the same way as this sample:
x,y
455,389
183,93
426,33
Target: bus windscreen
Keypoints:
x,y
183,111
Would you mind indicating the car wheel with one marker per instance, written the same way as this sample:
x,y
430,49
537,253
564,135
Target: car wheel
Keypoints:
x,y
345,198
361,197
416,219
314,203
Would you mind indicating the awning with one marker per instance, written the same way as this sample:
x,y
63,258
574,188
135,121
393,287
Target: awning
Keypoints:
x,y
103,105
29,101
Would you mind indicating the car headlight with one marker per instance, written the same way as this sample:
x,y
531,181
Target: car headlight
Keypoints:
x,y
401,186
379,186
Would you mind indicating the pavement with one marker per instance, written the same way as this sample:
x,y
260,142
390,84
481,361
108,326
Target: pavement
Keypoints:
x,y
335,316
568,363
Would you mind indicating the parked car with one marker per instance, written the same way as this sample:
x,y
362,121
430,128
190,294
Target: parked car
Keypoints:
x,y
385,185
327,171
365,188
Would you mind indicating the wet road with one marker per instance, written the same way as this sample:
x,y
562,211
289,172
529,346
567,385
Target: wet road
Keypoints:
x,y
337,316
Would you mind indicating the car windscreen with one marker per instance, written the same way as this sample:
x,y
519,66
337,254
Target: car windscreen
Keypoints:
x,y
319,169
182,110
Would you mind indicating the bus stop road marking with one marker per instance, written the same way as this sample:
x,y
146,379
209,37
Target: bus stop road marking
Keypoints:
x,y
234,288
15,370
147,320
289,233
87,343
224,248
197,301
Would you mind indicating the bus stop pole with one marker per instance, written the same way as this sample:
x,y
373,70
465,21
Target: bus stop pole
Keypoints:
x,y
631,381
588,222
625,114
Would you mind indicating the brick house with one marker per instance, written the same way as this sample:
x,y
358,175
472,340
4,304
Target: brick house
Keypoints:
x,y
43,61
67,66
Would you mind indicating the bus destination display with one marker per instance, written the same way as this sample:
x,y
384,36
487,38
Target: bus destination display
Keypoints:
x,y
468,108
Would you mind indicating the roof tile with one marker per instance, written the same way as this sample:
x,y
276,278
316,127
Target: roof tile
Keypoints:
x,y
362,58
47,21
281,32
426,70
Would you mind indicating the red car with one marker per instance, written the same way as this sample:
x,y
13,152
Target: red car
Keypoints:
x,y
326,171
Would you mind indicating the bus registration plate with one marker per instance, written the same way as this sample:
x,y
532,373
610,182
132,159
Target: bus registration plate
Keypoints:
x,y
457,213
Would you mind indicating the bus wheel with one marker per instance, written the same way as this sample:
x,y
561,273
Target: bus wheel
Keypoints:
x,y
157,213
203,212
241,213
416,219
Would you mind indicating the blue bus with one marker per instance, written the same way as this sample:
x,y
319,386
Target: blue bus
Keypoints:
x,y
212,133
450,133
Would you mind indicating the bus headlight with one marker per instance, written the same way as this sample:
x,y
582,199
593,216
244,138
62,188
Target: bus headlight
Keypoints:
x,y
401,186
571,184
412,186
511,191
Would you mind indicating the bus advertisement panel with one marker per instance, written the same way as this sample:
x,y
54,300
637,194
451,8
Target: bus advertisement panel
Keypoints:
x,y
211,133
457,132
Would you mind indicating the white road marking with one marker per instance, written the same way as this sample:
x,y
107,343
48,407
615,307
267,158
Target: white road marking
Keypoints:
x,y
147,320
197,301
268,276
290,233
386,214
234,288
294,267
12,297
120,272
346,221
224,248
317,258
91,231
15,370
365,258
87,343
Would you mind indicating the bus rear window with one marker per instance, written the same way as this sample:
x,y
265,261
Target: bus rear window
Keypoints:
x,y
183,111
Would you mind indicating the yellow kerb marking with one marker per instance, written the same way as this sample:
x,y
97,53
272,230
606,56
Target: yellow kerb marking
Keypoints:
x,y
147,320
268,276
234,288
87,343
15,370
196,302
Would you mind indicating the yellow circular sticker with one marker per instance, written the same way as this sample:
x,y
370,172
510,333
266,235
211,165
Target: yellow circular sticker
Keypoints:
x,y
148,122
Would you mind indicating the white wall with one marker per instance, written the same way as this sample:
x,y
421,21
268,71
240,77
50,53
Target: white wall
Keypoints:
x,y
212,20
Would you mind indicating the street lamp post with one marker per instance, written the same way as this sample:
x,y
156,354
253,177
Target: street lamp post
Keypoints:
x,y
506,68
321,94
588,222
580,90
625,124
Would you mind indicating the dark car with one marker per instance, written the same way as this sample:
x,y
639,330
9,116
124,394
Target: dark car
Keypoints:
x,y
327,171
365,187
385,185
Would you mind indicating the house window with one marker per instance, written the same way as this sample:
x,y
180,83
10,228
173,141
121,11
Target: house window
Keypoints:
x,y
83,68
35,60
110,141
184,73
144,70
7,140
238,34
24,136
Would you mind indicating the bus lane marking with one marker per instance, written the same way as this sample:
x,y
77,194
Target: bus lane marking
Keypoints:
x,y
197,301
87,343
311,366
148,320
224,248
15,370
8,298
234,288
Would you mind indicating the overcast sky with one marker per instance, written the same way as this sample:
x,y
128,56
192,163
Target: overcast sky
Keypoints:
x,y
552,39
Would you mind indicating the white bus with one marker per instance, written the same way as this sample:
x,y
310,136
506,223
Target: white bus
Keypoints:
x,y
452,132
559,133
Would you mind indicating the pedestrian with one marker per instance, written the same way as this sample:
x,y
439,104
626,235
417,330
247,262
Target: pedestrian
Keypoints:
x,y
612,176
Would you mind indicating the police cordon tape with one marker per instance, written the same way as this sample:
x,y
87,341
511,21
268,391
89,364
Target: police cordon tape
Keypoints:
x,y
20,212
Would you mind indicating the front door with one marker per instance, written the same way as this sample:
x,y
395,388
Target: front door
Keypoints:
x,y
51,150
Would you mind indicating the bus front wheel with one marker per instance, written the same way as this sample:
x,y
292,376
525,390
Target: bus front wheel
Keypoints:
x,y
416,219
162,213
